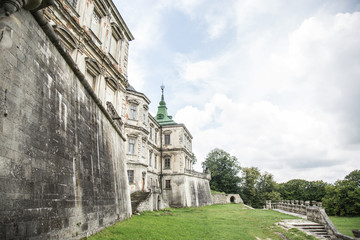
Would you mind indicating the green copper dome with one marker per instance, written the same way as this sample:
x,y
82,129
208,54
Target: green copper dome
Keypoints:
x,y
162,116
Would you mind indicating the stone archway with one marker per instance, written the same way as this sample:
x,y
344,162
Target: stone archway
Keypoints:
x,y
232,199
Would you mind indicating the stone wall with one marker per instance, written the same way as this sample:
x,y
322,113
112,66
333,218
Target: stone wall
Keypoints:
x,y
62,166
222,198
187,191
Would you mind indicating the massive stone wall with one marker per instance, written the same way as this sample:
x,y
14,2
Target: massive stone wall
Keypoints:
x,y
62,166
187,191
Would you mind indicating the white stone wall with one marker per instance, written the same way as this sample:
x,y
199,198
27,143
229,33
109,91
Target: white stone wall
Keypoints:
x,y
187,191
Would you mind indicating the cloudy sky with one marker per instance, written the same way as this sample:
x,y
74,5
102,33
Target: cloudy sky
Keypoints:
x,y
274,82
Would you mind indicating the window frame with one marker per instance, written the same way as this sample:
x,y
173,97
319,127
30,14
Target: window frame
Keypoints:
x,y
167,184
133,112
167,163
130,176
130,139
167,138
150,158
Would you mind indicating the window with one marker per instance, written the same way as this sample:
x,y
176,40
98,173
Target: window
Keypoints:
x,y
144,117
95,23
115,42
130,176
167,139
155,137
113,47
91,79
168,184
150,158
133,112
131,146
143,149
155,161
167,163
151,133
92,73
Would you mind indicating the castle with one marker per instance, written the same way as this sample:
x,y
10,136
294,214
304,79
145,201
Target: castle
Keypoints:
x,y
77,142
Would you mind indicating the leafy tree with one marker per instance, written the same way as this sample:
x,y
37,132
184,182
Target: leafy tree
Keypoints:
x,y
250,178
224,170
267,189
315,191
343,198
294,189
299,189
194,159
257,187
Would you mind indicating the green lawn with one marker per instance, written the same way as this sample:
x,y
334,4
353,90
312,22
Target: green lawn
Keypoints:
x,y
345,225
231,221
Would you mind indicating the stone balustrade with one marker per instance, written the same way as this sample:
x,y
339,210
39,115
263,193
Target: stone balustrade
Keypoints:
x,y
313,211
295,206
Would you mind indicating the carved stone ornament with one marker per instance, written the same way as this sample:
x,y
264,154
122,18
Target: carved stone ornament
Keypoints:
x,y
12,6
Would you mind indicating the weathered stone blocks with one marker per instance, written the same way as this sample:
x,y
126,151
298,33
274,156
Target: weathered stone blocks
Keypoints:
x,y
62,164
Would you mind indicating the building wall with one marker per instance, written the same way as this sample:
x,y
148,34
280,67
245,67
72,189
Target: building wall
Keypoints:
x,y
63,171
187,191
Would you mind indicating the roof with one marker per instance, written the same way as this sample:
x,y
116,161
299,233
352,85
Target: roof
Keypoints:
x,y
162,116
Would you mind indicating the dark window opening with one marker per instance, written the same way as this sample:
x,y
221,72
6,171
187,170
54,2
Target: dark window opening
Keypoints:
x,y
167,163
130,176
167,184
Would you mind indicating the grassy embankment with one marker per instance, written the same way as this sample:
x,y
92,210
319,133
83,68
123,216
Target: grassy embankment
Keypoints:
x,y
345,225
231,221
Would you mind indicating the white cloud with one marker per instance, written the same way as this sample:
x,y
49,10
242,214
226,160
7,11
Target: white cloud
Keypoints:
x,y
280,94
297,132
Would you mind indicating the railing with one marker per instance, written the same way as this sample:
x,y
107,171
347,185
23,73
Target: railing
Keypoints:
x,y
313,211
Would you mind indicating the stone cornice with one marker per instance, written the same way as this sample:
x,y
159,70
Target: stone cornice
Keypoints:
x,y
141,129
177,150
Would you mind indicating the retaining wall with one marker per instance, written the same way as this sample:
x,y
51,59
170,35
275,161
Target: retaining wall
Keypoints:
x,y
62,162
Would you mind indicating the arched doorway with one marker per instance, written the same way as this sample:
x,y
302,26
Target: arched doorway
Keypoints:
x,y
232,199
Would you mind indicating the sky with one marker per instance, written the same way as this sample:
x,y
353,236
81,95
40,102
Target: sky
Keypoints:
x,y
275,83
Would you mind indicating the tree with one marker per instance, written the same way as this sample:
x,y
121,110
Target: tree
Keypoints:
x,y
267,189
299,189
224,169
194,159
250,177
257,188
294,189
343,198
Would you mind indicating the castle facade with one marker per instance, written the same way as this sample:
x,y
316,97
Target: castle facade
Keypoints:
x,y
78,143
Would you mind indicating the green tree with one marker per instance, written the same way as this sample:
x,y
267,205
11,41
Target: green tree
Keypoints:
x,y
250,178
224,170
294,189
343,198
315,191
299,189
194,159
267,189
257,188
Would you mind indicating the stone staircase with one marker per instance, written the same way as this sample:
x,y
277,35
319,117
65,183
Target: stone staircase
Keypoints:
x,y
137,198
315,229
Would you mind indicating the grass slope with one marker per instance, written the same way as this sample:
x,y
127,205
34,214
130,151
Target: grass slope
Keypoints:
x,y
345,225
231,221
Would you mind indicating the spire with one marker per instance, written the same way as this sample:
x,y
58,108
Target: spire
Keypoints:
x,y
162,116
162,101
